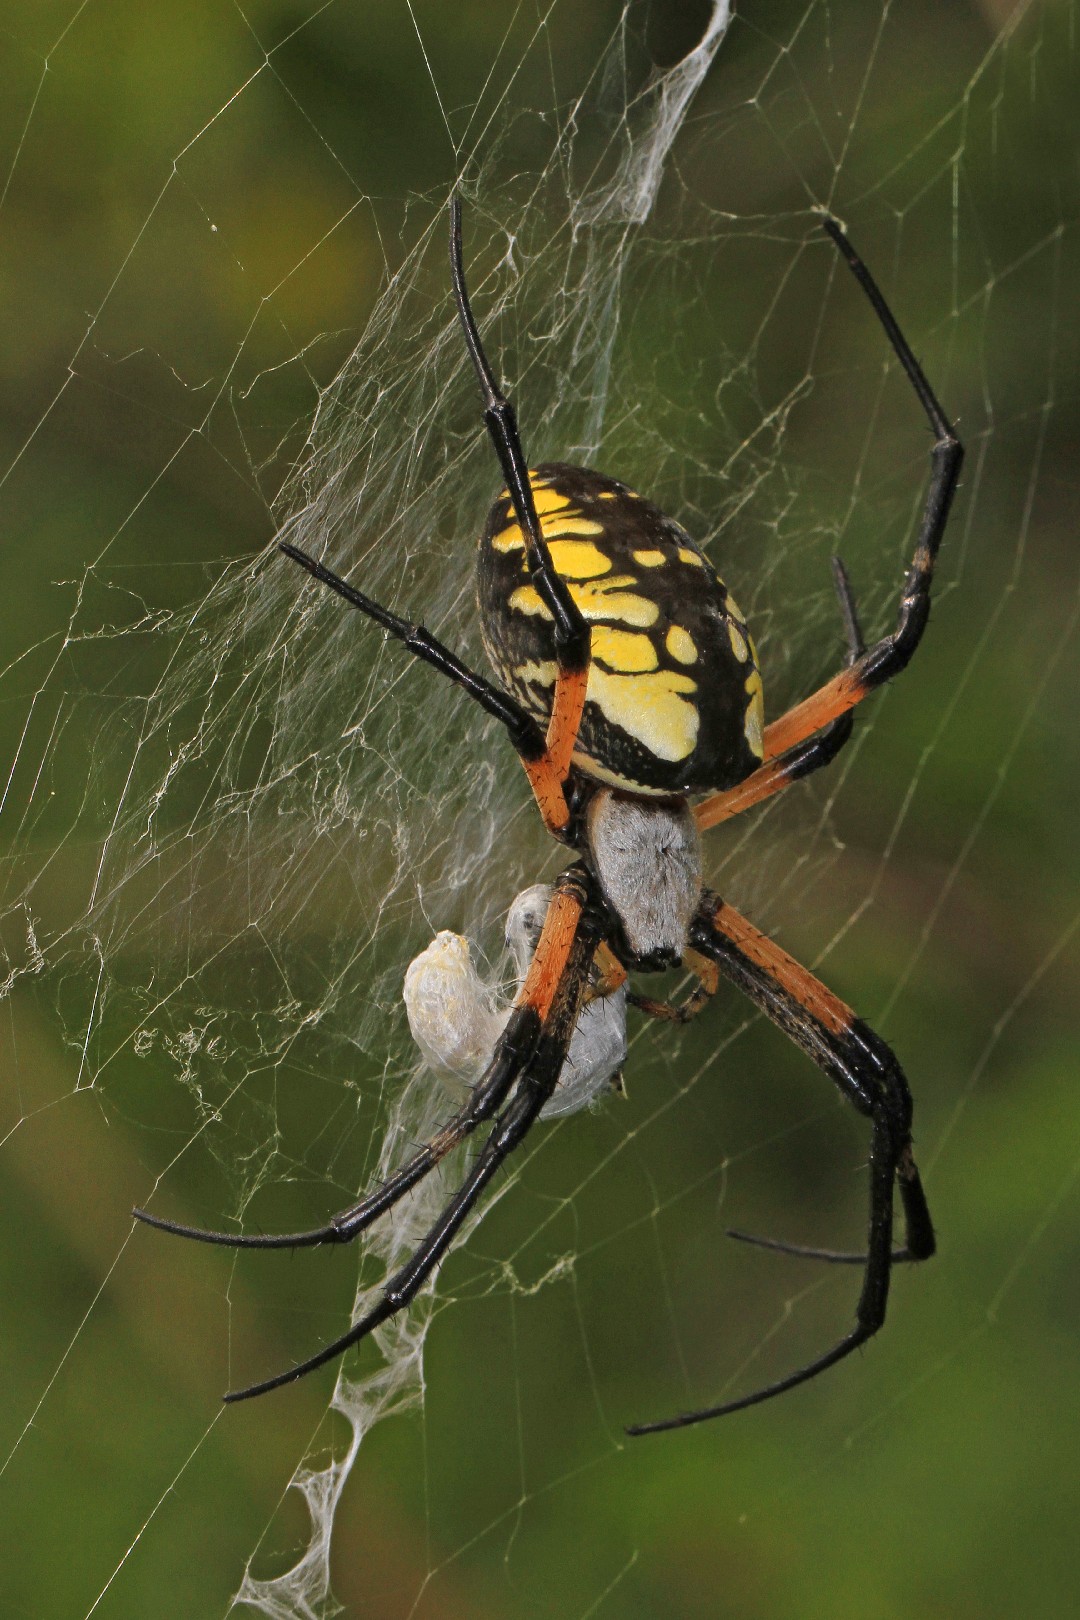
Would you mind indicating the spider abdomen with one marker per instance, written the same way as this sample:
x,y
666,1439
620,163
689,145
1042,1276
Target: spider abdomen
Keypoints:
x,y
674,696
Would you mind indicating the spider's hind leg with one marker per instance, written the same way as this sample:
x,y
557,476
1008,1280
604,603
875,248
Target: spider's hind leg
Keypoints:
x,y
811,733
894,651
544,755
801,760
708,977
571,633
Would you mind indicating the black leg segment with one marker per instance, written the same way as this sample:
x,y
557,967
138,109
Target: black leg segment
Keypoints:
x,y
521,728
572,635
892,654
531,1053
867,1073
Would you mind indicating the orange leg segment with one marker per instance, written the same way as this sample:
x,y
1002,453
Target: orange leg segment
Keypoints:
x,y
793,979
548,773
801,741
788,752
552,953
868,1075
791,753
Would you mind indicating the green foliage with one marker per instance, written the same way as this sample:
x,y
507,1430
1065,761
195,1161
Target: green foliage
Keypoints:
x,y
153,408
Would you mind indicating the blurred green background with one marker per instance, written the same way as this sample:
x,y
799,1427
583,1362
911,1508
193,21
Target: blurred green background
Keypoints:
x,y
200,207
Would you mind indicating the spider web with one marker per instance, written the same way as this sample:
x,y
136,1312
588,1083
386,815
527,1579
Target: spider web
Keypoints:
x,y
233,814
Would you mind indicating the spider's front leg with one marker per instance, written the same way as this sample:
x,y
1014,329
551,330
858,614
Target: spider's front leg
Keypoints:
x,y
868,1074
513,1050
528,1057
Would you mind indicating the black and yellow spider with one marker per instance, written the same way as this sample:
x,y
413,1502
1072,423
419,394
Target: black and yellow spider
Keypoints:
x,y
630,683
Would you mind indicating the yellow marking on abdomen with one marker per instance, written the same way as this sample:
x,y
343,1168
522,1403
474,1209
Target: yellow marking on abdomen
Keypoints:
x,y
526,599
734,609
754,724
554,521
596,601
568,523
543,673
546,499
626,651
508,539
681,645
579,559
535,482
649,559
650,708
607,601
738,642
691,557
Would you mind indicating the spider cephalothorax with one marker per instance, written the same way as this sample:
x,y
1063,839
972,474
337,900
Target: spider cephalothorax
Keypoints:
x,y
631,682
646,857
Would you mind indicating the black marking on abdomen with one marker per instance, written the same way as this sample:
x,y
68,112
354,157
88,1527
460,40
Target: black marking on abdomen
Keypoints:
x,y
674,692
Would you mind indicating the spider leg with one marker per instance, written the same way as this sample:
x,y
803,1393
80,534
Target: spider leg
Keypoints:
x,y
553,993
523,731
546,759
513,1051
788,756
893,652
402,1288
804,757
572,634
803,1251
867,1074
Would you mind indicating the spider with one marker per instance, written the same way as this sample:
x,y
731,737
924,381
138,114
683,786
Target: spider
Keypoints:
x,y
630,682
